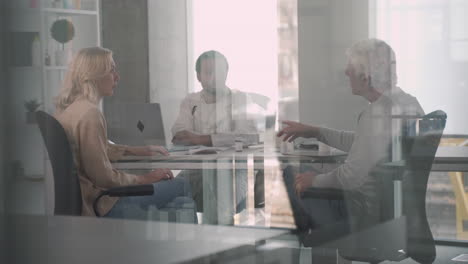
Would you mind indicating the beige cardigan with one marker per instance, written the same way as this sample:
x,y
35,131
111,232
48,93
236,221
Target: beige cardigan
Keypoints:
x,y
86,130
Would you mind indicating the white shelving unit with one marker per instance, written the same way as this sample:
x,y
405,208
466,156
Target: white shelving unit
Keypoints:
x,y
55,68
87,33
62,11
41,82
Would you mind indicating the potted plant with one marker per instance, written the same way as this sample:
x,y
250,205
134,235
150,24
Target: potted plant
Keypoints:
x,y
62,31
31,107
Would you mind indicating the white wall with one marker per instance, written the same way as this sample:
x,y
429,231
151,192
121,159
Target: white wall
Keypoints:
x,y
430,39
250,44
326,29
168,36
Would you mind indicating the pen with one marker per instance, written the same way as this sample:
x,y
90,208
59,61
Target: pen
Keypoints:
x,y
193,109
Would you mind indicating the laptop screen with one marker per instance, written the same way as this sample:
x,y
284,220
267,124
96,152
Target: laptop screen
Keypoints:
x,y
135,124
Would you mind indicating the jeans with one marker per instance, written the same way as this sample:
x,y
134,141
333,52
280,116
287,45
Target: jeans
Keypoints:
x,y
195,177
137,207
314,212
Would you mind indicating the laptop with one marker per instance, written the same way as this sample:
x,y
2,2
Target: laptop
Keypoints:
x,y
135,124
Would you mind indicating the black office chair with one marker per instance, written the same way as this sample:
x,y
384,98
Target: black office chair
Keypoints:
x,y
413,173
68,199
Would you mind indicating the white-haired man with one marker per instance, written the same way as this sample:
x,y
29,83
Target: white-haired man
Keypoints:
x,y
371,71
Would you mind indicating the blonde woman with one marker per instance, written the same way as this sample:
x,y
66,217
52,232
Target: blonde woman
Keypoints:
x,y
91,76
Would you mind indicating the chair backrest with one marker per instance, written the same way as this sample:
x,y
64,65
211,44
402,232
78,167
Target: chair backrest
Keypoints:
x,y
420,242
420,147
66,182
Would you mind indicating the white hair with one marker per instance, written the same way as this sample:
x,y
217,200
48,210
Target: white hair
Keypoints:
x,y
376,59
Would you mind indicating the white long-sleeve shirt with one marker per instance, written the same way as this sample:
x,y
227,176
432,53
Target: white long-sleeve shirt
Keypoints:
x,y
370,144
224,120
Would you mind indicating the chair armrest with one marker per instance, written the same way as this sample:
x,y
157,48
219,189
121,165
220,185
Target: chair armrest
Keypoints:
x,y
130,190
390,171
323,193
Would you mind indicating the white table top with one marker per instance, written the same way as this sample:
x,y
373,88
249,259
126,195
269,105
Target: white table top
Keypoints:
x,y
224,159
454,154
451,159
446,159
59,239
444,153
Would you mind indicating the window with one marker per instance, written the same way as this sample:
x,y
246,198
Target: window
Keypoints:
x,y
430,40
246,33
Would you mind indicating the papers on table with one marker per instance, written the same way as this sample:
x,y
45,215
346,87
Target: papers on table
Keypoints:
x,y
197,149
177,148
315,153
206,150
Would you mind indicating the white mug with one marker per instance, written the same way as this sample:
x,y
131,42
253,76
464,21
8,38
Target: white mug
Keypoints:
x,y
324,147
239,145
286,147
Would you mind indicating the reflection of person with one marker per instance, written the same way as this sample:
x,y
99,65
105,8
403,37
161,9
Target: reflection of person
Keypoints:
x,y
371,71
92,75
213,116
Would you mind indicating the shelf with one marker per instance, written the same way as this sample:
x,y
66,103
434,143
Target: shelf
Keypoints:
x,y
34,177
24,11
62,11
55,68
41,82
25,68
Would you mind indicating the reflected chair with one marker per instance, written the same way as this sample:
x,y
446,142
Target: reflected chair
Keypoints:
x,y
67,189
265,120
417,241
461,201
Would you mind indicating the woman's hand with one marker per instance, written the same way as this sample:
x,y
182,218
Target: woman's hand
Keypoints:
x,y
156,176
150,150
304,181
294,130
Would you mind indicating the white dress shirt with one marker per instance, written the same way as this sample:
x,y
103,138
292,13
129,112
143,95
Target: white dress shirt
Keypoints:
x,y
229,117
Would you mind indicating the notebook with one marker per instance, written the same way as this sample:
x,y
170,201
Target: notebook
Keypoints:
x,y
135,124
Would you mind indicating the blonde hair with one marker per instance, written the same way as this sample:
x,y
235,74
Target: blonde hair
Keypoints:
x,y
376,59
87,67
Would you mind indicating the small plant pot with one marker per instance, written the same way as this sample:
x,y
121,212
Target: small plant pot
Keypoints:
x,y
30,117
